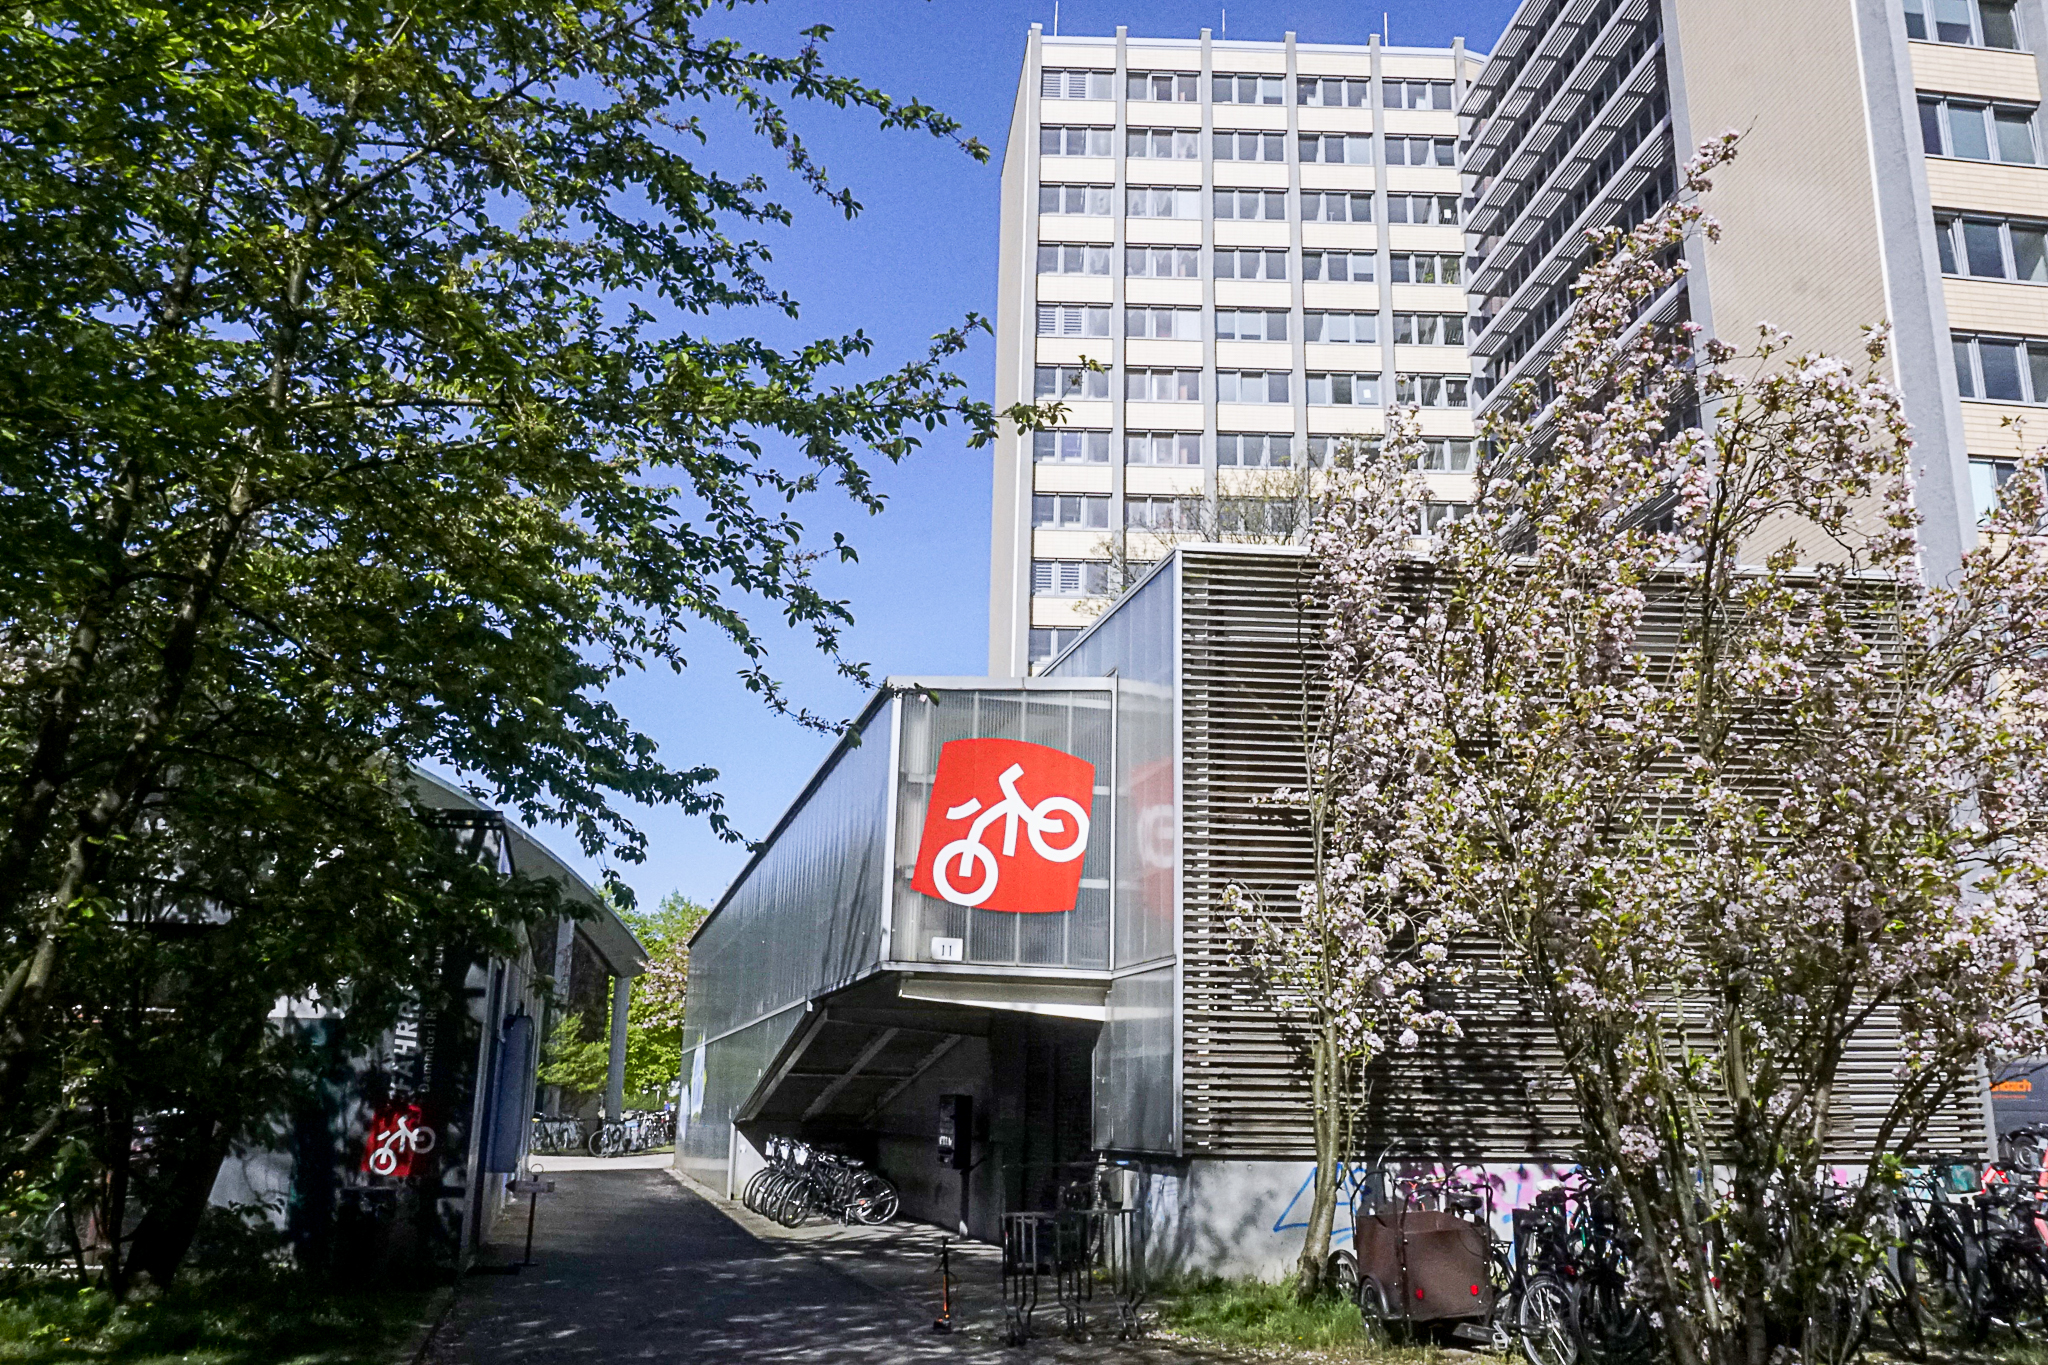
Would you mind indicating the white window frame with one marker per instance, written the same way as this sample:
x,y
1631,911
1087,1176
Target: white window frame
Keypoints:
x,y
1324,385
1352,200
1230,450
1266,89
1186,323
1966,349
1184,446
1323,315
1183,87
1320,269
1076,83
1092,195
1262,381
1085,252
1070,445
1267,255
1152,253
1927,11
1146,201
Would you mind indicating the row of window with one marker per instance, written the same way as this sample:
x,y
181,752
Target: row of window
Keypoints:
x,y
1234,450
1980,23
1277,517
1160,385
1245,324
1166,144
1327,206
1977,131
1184,87
2002,369
1993,248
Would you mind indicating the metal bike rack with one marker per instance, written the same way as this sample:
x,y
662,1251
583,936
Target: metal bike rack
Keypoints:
x,y
1069,1247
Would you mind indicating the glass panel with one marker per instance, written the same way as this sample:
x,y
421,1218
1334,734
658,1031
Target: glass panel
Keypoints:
x,y
1966,133
2030,254
1983,487
2015,137
2001,362
1952,21
1930,128
1965,383
1983,249
2037,370
1916,19
2001,25
1945,242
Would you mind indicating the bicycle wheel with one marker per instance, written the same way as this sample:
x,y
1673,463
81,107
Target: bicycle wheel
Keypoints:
x,y
795,1204
1901,1318
755,1184
1376,1310
874,1200
1543,1320
1836,1325
1942,1295
1340,1273
1612,1328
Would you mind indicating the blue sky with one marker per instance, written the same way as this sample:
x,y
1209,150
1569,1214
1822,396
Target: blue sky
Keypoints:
x,y
920,256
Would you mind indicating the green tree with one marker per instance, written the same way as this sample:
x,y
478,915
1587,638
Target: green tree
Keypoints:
x,y
654,1029
359,405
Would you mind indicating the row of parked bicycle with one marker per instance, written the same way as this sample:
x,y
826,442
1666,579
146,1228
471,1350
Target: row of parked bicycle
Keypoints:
x,y
800,1180
636,1131
1969,1259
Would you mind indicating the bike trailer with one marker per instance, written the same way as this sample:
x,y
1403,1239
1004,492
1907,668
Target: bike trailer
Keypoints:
x,y
1434,1266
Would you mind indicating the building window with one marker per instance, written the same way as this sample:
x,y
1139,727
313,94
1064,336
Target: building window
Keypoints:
x,y
1437,515
1237,324
1334,207
1250,265
1338,265
1251,386
1423,208
1145,201
1167,324
1070,381
1418,94
1089,200
1251,146
1981,23
1277,517
1072,259
1070,447
1336,149
1069,578
1987,481
1057,141
1163,386
1332,92
1073,320
1993,249
1254,450
1271,204
1163,447
1432,390
1340,327
1163,514
1047,643
1163,87
1248,89
1429,329
1422,151
1163,262
2002,369
1070,511
1076,85
1977,132
1344,390
1419,268
1322,450
1163,144
1445,457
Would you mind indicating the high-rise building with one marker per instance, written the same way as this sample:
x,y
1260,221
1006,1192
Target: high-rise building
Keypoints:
x,y
1890,169
1221,257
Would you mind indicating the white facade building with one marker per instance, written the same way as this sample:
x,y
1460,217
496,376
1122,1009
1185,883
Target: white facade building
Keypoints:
x,y
1220,257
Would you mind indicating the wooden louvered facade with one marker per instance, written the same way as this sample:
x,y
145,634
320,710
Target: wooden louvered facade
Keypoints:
x,y
1247,660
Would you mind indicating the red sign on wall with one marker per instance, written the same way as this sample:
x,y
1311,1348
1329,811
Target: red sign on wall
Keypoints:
x,y
397,1135
1007,827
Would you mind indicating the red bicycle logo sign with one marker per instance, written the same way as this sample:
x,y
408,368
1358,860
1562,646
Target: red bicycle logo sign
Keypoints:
x,y
1003,788
397,1136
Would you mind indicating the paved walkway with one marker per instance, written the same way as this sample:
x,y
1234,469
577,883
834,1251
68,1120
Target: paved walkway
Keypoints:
x,y
634,1266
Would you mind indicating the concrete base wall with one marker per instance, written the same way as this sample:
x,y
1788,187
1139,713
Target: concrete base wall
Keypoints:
x,y
1247,1218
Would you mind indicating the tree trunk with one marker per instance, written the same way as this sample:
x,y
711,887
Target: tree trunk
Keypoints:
x,y
1325,1097
191,1147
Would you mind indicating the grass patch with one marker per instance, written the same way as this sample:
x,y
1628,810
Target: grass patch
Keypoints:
x,y
1255,1315
248,1318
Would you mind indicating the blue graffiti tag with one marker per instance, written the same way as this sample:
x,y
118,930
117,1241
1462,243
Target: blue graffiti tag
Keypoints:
x,y
1345,1186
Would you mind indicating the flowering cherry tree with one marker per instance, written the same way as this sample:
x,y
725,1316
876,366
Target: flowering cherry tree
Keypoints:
x,y
1349,962
1680,722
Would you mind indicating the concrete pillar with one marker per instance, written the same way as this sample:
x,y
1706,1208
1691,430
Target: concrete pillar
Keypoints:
x,y
615,1075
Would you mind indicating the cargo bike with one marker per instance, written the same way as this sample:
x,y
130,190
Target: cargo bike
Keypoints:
x,y
1422,1260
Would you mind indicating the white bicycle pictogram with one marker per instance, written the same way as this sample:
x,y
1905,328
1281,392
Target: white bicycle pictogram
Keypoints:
x,y
401,1136
1038,821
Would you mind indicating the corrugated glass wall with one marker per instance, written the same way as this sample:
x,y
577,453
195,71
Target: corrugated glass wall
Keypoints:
x,y
1078,723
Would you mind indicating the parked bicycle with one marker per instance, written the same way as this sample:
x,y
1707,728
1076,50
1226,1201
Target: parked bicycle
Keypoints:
x,y
638,1131
800,1180
553,1135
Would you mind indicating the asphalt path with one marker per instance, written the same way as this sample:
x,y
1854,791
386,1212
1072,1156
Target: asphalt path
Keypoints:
x,y
632,1266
